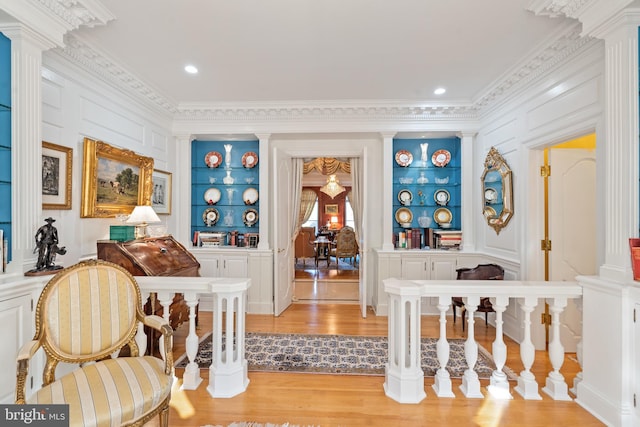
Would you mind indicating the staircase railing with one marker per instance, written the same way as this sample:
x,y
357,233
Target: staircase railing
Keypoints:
x,y
404,379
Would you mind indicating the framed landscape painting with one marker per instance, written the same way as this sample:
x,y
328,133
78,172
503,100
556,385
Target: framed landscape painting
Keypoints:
x,y
114,180
161,192
56,176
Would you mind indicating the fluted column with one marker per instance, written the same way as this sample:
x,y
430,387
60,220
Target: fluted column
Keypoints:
x,y
468,183
387,190
182,190
264,200
620,195
26,139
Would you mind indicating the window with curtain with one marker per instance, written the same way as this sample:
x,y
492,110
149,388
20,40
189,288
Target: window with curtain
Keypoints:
x,y
348,214
313,217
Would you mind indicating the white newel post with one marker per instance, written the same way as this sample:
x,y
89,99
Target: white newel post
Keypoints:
x,y
442,384
555,386
191,378
499,385
527,386
228,371
404,378
470,382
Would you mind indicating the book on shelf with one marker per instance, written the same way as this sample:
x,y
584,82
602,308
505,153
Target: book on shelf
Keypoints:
x,y
634,247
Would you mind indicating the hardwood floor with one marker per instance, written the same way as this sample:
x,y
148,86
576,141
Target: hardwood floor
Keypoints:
x,y
349,400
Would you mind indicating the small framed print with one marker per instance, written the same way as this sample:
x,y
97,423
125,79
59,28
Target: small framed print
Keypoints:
x,y
161,192
331,209
56,176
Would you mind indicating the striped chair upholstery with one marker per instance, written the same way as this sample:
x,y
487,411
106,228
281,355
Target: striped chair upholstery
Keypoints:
x,y
89,312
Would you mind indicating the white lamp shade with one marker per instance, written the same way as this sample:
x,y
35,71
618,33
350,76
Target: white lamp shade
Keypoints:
x,y
143,215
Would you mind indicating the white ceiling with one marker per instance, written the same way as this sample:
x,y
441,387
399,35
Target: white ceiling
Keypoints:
x,y
321,50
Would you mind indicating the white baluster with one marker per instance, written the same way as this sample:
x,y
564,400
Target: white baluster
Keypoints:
x,y
165,298
191,378
228,371
499,385
578,377
527,386
470,382
442,384
404,378
556,386
141,336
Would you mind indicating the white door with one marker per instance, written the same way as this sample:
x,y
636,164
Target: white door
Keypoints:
x,y
283,274
572,224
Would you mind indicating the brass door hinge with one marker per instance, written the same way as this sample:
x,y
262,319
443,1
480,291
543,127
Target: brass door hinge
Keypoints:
x,y
545,171
545,245
545,319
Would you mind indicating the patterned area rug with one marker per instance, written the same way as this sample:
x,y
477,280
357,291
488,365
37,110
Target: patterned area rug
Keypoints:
x,y
339,354
310,263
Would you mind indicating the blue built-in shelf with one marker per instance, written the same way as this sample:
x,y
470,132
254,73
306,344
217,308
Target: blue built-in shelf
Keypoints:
x,y
420,180
212,178
5,141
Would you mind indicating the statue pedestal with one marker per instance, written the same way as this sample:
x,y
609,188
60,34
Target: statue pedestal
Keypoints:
x,y
48,270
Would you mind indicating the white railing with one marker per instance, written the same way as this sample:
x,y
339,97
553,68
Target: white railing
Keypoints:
x,y
228,371
404,379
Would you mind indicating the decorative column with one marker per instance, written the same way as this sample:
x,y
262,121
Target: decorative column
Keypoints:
x,y
404,378
470,382
387,190
527,386
191,378
228,371
442,384
555,386
182,190
499,384
26,139
263,201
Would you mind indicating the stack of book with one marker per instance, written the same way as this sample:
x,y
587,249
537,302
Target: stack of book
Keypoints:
x,y
410,239
448,239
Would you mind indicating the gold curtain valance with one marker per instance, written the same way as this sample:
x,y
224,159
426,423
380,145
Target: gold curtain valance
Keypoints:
x,y
327,165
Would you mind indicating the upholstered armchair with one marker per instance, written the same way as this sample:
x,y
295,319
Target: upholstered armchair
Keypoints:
x,y
345,245
88,313
304,246
480,272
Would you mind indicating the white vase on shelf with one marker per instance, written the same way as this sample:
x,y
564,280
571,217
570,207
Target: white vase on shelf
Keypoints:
x,y
423,179
228,179
227,156
424,146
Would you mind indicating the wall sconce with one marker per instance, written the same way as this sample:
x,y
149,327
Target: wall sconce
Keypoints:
x,y
141,217
332,187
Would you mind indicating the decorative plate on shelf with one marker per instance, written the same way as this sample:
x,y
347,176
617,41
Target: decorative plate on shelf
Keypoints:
x,y
404,158
249,159
404,216
490,195
405,197
250,217
212,196
441,197
442,216
213,159
250,196
210,216
441,158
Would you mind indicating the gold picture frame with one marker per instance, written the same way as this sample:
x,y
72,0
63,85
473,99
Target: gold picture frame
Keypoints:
x,y
57,162
114,180
331,209
161,192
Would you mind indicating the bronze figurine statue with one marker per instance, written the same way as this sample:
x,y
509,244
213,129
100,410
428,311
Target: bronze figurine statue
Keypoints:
x,y
47,247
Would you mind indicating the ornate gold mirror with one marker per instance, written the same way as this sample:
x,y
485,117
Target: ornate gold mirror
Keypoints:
x,y
497,191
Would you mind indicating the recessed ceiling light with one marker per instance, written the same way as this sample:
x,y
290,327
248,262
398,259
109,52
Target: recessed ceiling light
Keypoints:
x,y
439,91
191,69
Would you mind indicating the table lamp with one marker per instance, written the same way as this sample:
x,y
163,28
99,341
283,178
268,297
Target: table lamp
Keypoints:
x,y
141,217
334,222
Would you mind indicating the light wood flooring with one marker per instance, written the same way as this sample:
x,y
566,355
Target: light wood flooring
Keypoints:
x,y
348,400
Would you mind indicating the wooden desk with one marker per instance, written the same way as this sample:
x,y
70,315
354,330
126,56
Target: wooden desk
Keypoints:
x,y
323,251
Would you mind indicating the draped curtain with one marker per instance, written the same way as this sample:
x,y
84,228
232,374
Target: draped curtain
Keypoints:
x,y
355,195
307,202
296,193
327,165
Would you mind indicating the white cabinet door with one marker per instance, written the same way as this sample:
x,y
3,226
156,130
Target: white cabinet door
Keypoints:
x,y
210,265
415,268
234,266
15,318
443,267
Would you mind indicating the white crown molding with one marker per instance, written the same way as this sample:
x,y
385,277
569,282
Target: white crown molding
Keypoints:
x,y
556,8
54,18
562,46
